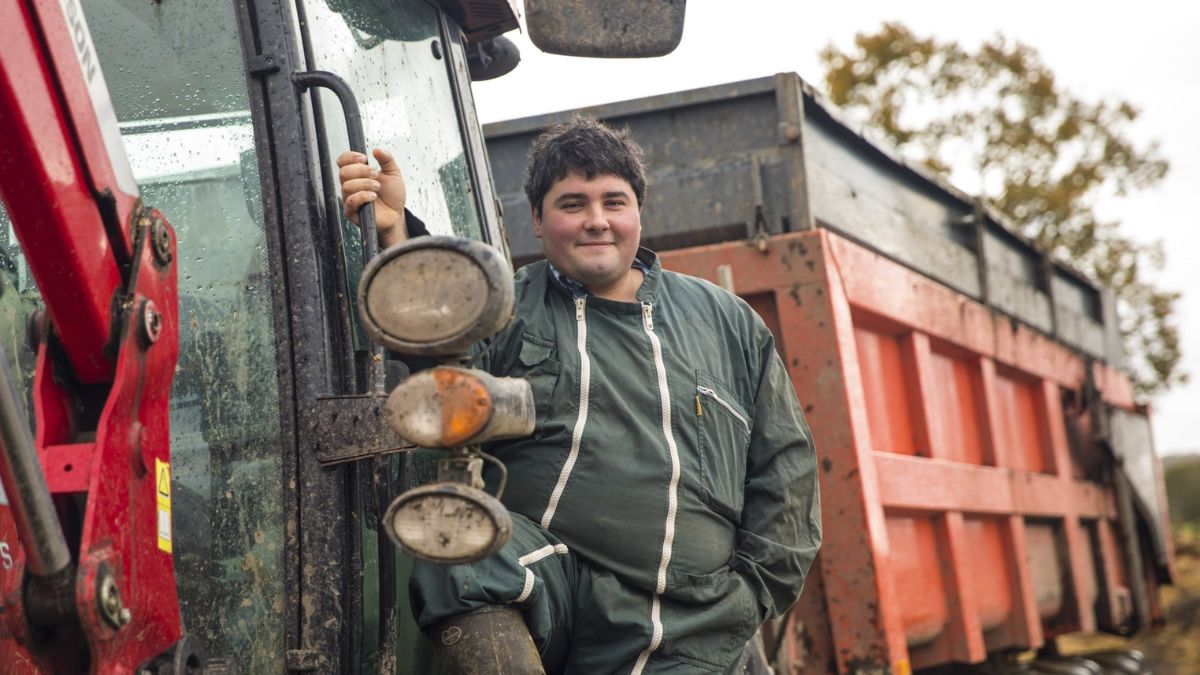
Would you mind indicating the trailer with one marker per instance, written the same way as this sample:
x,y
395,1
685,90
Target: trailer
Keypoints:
x,y
989,481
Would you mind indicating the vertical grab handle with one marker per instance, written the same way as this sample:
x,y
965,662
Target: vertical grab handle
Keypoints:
x,y
366,213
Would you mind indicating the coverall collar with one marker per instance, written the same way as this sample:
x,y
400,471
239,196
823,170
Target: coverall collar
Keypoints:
x,y
645,260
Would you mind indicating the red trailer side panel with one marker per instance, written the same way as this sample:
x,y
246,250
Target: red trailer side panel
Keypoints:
x,y
960,517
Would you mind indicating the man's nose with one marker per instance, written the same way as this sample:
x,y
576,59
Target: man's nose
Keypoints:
x,y
595,218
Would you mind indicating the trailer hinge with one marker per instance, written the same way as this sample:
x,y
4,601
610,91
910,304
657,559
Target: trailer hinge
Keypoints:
x,y
306,661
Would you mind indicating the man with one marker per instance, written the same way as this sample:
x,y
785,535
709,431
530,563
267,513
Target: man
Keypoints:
x,y
666,503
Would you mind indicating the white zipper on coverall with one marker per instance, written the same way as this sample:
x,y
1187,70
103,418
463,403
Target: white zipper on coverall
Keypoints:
x,y
672,498
585,376
721,402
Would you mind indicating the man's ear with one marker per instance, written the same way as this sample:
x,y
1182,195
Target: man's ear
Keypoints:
x,y
537,221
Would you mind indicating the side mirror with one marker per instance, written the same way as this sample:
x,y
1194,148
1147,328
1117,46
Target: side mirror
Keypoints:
x,y
605,28
492,58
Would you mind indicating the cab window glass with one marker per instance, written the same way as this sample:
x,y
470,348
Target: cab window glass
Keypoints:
x,y
177,83
394,58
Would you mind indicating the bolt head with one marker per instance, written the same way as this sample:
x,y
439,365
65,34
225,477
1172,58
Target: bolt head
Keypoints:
x,y
160,241
109,602
151,322
108,593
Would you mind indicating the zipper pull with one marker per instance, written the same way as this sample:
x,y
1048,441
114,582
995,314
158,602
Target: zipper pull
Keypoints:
x,y
699,410
579,303
648,316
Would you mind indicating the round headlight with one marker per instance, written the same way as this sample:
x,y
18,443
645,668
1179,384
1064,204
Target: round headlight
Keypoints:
x,y
435,295
448,523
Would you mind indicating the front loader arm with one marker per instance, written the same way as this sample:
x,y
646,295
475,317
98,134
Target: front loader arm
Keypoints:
x,y
106,346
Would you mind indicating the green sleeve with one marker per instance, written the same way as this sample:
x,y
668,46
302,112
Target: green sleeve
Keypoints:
x,y
780,531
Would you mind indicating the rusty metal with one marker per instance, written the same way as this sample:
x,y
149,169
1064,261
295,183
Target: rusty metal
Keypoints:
x,y
347,428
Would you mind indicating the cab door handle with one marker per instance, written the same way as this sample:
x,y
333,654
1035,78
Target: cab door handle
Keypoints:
x,y
305,80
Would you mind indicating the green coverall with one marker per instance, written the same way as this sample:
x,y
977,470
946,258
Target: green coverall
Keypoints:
x,y
666,503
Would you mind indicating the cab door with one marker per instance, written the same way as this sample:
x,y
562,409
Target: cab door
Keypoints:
x,y
278,557
405,63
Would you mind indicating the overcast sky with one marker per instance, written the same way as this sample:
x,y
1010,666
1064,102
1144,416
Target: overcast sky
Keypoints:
x,y
1146,52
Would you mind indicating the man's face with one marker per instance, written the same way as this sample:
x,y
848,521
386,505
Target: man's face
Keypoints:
x,y
590,229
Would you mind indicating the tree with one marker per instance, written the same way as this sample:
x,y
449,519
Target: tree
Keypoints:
x,y
997,120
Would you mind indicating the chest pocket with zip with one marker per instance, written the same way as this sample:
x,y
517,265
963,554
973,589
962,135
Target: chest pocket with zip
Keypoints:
x,y
724,438
537,366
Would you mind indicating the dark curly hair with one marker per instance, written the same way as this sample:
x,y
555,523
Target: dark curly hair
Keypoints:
x,y
587,146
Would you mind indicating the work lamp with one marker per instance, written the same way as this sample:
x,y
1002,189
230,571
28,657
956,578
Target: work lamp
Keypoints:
x,y
435,296
438,296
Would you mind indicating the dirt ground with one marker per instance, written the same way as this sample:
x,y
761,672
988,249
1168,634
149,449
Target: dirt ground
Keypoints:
x,y
1173,648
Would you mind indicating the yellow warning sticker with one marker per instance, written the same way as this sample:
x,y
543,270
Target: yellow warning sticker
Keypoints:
x,y
162,481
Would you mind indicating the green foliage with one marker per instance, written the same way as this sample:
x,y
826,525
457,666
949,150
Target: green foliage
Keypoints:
x,y
996,117
1183,498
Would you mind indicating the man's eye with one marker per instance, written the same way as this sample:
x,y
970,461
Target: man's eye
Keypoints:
x,y
615,203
